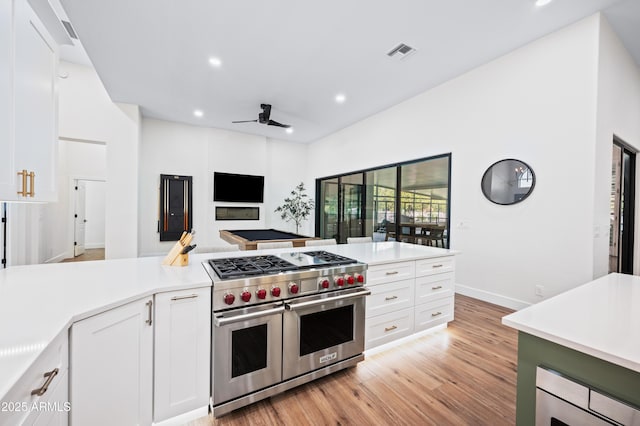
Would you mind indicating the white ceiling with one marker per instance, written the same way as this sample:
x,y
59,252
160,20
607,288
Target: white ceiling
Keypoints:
x,y
298,55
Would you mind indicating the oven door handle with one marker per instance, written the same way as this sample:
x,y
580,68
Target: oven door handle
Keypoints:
x,y
301,305
221,322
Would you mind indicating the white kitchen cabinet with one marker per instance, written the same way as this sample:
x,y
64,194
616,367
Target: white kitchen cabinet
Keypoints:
x,y
111,374
28,105
408,297
182,352
40,397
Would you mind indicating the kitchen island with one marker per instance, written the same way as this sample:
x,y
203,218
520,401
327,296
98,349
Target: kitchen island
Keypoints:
x,y
40,304
590,334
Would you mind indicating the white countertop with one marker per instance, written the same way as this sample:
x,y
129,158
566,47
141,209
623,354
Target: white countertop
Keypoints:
x,y
39,302
600,318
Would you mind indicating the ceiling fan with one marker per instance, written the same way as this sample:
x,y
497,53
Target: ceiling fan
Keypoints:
x,y
263,118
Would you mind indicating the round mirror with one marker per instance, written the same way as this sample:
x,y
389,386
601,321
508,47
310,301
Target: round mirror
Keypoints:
x,y
508,181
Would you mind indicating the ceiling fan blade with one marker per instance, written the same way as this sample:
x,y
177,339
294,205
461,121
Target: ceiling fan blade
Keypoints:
x,y
275,123
246,121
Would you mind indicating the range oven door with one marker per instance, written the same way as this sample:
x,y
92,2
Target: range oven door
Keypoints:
x,y
247,351
322,329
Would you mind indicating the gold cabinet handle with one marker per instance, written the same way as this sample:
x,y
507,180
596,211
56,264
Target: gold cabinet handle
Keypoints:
x,y
24,174
390,297
435,314
393,327
438,287
49,376
32,180
150,306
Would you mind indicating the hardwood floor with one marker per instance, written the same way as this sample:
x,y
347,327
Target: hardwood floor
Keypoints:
x,y
89,254
462,375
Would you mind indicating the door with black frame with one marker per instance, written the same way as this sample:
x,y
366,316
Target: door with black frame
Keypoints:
x,y
407,202
623,169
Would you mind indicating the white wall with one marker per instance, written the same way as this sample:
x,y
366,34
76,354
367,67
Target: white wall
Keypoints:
x,y
87,113
172,148
537,104
618,114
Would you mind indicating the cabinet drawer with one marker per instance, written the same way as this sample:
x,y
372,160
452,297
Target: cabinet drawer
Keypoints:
x,y
388,327
54,356
390,297
437,265
432,287
380,274
433,313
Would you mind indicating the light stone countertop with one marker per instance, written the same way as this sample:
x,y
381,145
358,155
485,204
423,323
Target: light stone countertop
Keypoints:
x,y
38,302
600,318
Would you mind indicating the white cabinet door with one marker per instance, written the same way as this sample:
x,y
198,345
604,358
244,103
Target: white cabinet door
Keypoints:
x,y
34,104
182,352
112,366
7,168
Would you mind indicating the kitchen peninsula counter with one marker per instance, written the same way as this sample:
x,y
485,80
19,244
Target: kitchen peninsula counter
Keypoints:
x,y
590,334
40,302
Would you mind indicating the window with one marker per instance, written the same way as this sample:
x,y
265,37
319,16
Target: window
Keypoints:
x,y
406,202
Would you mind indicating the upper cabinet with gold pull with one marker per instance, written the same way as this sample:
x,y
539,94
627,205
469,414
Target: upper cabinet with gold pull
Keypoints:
x,y
28,105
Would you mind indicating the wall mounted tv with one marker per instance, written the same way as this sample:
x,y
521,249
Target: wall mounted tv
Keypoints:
x,y
238,188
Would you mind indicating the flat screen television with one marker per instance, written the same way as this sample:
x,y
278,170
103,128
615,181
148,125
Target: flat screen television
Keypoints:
x,y
238,188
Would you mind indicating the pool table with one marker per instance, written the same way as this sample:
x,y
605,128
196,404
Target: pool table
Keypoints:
x,y
248,239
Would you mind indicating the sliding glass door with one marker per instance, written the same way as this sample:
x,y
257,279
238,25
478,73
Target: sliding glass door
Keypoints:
x,y
406,202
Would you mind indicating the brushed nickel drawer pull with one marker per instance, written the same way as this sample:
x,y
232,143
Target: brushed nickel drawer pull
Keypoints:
x,y
438,287
393,327
436,314
437,266
390,297
150,306
191,296
49,376
393,273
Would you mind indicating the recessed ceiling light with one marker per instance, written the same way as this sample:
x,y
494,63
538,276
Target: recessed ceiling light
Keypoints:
x,y
215,62
289,130
341,98
541,3
198,113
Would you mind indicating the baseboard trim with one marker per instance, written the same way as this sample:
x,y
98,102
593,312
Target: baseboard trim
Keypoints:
x,y
494,298
184,418
93,245
57,259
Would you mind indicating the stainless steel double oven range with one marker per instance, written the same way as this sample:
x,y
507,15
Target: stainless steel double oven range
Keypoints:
x,y
282,320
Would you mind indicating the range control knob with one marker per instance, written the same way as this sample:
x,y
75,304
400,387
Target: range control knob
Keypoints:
x,y
229,298
359,278
245,296
350,280
275,291
324,283
293,288
339,281
261,293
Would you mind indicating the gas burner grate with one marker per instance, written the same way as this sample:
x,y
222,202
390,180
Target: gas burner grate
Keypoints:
x,y
248,266
330,258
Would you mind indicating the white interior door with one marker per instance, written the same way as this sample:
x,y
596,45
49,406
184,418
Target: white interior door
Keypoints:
x,y
80,218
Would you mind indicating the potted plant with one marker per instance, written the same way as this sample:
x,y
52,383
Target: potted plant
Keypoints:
x,y
297,207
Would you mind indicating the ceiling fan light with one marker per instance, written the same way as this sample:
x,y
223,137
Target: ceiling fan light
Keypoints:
x,y
541,3
215,62
289,130
340,98
198,113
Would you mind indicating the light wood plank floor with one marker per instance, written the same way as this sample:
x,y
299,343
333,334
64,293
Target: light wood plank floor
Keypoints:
x,y
89,254
462,375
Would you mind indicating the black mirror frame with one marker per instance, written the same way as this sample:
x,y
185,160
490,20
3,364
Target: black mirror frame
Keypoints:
x,y
484,175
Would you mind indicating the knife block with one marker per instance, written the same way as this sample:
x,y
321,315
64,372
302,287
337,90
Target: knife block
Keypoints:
x,y
175,256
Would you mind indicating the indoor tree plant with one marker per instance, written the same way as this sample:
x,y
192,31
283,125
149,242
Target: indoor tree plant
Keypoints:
x,y
297,207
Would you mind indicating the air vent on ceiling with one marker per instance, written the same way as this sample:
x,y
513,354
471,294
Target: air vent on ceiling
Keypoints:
x,y
401,51
69,28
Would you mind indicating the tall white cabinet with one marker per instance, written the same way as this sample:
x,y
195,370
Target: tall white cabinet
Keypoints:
x,y
28,105
112,366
